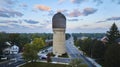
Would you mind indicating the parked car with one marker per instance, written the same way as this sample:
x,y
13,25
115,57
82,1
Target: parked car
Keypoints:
x,y
3,57
43,56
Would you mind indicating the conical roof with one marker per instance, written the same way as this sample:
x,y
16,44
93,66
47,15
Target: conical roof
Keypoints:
x,y
59,21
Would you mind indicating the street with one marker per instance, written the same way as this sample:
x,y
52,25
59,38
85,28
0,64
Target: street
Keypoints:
x,y
73,52
13,62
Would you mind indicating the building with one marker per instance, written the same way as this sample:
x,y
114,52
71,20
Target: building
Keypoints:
x,y
14,49
11,50
59,26
104,39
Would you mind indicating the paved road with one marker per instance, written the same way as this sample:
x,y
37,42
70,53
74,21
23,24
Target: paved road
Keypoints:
x,y
15,61
75,53
63,60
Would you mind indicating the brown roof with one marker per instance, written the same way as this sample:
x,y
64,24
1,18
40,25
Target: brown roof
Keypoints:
x,y
58,21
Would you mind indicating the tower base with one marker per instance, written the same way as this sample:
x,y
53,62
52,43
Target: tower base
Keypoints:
x,y
59,47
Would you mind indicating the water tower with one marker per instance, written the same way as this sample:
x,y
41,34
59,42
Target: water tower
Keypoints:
x,y
59,26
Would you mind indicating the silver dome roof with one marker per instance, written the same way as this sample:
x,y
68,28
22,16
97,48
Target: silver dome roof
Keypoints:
x,y
58,21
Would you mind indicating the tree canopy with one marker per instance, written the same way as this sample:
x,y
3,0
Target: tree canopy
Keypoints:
x,y
113,34
112,56
31,50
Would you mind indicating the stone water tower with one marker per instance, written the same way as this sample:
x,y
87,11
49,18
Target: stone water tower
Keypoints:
x,y
59,26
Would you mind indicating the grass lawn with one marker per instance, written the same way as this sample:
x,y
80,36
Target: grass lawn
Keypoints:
x,y
41,64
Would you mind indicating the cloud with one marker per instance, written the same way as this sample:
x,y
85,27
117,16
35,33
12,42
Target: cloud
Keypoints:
x,y
60,1
3,15
9,13
31,21
77,1
8,21
73,19
88,11
62,10
101,21
117,1
113,18
42,7
7,3
75,13
98,2
110,19
23,5
51,13
86,25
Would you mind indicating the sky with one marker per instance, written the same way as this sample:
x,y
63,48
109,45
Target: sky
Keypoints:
x,y
35,16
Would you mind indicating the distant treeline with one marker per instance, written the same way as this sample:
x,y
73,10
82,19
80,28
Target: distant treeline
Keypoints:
x,y
89,35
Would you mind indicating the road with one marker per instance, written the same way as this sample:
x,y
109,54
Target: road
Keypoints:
x,y
73,52
59,59
13,62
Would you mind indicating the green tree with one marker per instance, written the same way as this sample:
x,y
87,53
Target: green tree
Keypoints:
x,y
38,43
113,34
29,53
78,42
86,46
3,39
77,63
23,39
30,50
112,56
14,38
98,50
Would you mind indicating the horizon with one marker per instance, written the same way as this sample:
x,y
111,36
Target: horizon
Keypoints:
x,y
83,16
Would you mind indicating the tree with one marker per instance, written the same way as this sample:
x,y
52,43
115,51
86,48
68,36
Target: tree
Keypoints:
x,y
77,63
98,50
23,39
30,50
29,53
49,57
78,42
14,38
3,39
38,43
86,46
112,56
113,34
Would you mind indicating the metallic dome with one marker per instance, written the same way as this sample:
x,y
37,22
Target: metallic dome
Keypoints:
x,y
58,21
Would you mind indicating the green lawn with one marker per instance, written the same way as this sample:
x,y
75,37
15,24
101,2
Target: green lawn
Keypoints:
x,y
41,64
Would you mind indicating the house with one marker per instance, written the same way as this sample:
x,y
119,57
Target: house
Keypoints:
x,y
11,50
14,49
6,51
104,39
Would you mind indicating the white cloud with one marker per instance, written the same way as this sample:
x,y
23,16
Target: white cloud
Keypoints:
x,y
42,7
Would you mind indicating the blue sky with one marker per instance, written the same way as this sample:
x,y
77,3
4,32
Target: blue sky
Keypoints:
x,y
34,16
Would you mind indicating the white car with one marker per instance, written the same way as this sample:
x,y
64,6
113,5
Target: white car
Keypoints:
x,y
43,56
3,58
